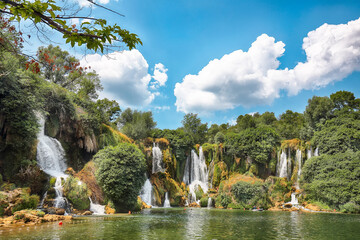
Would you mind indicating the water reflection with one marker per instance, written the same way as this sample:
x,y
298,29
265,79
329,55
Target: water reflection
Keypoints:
x,y
178,223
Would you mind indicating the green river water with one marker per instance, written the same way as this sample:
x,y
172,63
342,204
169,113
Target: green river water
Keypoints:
x,y
177,223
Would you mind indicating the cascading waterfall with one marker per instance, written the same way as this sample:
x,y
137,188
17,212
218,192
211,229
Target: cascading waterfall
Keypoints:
x,y
157,163
316,153
298,159
309,153
283,172
146,193
167,202
51,158
196,174
209,204
97,209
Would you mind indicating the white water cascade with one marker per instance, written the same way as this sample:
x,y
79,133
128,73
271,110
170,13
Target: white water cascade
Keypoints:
x,y
51,158
209,204
146,193
298,160
294,200
157,163
283,165
316,153
196,174
97,209
167,202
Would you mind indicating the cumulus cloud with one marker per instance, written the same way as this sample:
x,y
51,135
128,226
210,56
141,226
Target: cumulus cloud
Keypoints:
x,y
124,76
160,75
86,3
252,78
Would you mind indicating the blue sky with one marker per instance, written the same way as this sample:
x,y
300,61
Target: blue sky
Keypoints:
x,y
185,35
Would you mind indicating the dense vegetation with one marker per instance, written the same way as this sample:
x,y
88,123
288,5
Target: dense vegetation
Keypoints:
x,y
242,159
120,173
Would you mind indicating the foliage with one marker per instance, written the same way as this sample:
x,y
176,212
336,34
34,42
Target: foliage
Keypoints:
x,y
136,124
318,110
95,34
204,201
192,125
290,124
25,201
120,172
350,207
245,191
77,193
339,134
33,177
333,179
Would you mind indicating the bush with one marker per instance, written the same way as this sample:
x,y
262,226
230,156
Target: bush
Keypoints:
x,y
245,191
225,200
350,207
120,172
26,201
204,201
76,193
333,179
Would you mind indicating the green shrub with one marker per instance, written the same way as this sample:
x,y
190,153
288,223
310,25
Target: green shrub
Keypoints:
x,y
76,193
245,191
199,192
350,207
7,186
120,173
26,201
204,201
235,205
225,200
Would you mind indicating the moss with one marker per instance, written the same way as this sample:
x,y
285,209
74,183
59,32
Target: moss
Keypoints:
x,y
52,182
111,137
138,205
254,169
77,193
199,192
220,173
7,186
26,201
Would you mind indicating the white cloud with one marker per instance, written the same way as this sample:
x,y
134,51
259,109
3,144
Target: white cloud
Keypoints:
x,y
160,75
252,78
124,76
161,108
86,3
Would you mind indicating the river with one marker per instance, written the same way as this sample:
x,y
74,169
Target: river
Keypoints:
x,y
177,223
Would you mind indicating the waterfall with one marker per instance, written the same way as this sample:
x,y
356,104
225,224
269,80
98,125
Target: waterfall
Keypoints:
x,y
316,153
147,192
209,204
97,209
42,201
298,160
283,165
294,200
51,158
157,163
196,173
167,202
309,153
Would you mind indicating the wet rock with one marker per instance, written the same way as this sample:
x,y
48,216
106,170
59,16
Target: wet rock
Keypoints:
x,y
194,204
87,213
60,211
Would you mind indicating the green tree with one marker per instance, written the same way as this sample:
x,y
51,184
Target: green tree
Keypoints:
x,y
120,172
318,110
333,179
290,124
136,124
344,100
96,35
245,122
192,124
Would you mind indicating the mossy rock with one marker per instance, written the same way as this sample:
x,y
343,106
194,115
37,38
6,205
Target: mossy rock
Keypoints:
x,y
7,186
25,201
254,169
76,193
52,182
220,173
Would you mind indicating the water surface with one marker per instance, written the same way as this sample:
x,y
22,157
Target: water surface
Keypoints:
x,y
177,223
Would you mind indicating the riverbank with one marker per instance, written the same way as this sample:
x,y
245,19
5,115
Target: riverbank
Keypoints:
x,y
31,217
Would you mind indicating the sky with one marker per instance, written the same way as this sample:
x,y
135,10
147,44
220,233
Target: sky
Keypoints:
x,y
221,58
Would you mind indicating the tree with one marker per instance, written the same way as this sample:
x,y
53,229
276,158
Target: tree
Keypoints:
x,y
333,179
95,34
120,172
136,124
318,110
290,124
344,100
245,122
192,125
61,68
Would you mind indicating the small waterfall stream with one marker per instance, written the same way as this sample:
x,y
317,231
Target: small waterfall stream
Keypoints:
x,y
157,163
97,209
283,169
51,158
196,174
146,193
167,202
